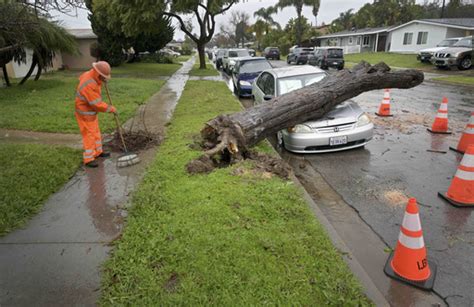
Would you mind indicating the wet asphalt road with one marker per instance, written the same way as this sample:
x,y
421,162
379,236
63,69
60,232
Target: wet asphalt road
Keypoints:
x,y
377,180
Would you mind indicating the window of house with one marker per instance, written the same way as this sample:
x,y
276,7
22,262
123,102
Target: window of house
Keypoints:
x,y
422,38
358,40
333,42
407,37
351,40
366,41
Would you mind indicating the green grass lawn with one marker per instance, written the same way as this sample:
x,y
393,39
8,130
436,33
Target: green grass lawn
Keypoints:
x,y
465,80
208,72
221,239
183,58
391,59
48,104
29,174
144,70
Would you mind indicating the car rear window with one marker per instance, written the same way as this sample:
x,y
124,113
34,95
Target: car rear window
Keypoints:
x,y
465,42
254,66
274,49
335,53
289,84
238,53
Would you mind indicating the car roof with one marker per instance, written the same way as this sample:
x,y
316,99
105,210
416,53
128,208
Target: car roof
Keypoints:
x,y
250,58
237,49
290,71
329,47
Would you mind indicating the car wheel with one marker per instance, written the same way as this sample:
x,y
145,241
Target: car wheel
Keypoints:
x,y
288,61
465,63
278,58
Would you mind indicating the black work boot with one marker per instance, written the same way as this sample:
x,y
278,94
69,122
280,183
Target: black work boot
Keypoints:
x,y
92,164
104,155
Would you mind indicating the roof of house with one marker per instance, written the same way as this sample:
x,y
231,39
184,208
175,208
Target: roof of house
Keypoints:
x,y
459,23
364,31
82,33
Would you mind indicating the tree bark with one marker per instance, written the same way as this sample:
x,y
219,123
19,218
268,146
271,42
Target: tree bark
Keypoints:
x,y
38,74
202,56
5,75
34,62
235,133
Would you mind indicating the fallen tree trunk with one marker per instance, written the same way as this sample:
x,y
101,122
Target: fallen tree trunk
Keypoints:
x,y
233,134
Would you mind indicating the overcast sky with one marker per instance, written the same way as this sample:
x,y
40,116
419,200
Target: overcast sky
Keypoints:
x,y
328,11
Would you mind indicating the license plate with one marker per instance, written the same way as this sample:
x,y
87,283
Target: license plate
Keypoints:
x,y
335,63
338,140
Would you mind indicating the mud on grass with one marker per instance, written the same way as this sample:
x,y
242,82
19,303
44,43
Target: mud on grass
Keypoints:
x,y
134,140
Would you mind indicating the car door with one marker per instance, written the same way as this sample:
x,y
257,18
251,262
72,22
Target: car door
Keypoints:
x,y
258,87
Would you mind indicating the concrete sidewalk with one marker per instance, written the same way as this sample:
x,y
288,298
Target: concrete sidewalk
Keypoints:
x,y
56,259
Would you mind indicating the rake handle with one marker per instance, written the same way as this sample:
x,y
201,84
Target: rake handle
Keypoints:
x,y
117,123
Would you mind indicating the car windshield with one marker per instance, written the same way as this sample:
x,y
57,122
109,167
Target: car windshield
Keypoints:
x,y
465,42
288,84
254,66
304,50
447,43
335,53
238,53
274,49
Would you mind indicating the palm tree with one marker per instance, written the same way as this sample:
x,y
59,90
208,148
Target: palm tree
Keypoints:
x,y
45,40
299,4
265,14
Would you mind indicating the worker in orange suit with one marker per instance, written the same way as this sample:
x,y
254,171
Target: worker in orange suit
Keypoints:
x,y
88,103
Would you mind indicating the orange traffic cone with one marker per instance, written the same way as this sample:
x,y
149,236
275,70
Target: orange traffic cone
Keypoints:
x,y
467,137
384,109
440,124
408,262
461,190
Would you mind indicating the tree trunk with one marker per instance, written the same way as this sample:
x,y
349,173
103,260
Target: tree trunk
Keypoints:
x,y
34,62
202,56
299,10
38,74
5,75
233,134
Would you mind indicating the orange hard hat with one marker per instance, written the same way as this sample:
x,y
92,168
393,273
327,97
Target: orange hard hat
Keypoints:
x,y
103,68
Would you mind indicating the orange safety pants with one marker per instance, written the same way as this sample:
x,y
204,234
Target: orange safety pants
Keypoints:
x,y
91,138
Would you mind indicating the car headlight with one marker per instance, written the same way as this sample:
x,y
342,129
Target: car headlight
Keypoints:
x,y
363,120
300,129
245,83
232,62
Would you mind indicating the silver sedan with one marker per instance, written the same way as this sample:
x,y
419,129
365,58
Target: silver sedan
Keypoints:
x,y
345,127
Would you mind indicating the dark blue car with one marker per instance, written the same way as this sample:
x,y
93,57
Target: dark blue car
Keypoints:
x,y
246,69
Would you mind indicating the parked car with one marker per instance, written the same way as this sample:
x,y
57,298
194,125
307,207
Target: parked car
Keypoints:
x,y
271,53
246,69
326,57
252,52
228,61
169,52
460,54
344,127
219,57
425,55
299,55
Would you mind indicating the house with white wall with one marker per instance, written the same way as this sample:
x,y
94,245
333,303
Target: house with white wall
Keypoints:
x,y
357,40
84,38
415,35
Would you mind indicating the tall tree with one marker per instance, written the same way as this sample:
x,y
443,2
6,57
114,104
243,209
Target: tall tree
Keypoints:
x,y
265,14
138,15
240,23
298,5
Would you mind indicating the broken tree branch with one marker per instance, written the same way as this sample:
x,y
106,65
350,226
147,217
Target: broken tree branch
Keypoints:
x,y
233,134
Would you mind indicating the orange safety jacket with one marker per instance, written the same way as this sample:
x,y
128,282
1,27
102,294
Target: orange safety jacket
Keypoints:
x,y
88,94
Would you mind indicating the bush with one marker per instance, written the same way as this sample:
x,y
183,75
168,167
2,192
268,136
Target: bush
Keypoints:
x,y
186,49
156,58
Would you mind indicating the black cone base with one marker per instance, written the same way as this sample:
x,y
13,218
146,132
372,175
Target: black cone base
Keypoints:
x,y
378,114
424,285
438,132
456,150
453,202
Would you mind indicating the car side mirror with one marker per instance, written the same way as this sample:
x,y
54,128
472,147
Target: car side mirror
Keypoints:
x,y
267,97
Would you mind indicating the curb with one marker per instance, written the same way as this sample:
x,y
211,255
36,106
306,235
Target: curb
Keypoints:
x,y
369,287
